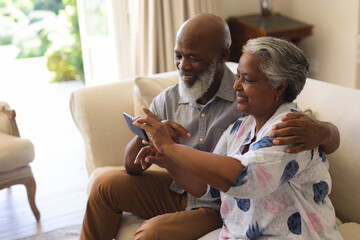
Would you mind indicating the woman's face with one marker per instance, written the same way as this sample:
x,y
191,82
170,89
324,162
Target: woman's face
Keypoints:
x,y
254,95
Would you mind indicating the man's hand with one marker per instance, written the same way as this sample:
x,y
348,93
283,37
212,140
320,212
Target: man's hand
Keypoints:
x,y
305,133
176,131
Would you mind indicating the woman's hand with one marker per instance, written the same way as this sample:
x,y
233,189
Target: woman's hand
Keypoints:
x,y
176,131
158,131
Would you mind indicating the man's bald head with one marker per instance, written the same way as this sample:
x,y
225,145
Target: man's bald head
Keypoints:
x,y
202,48
206,27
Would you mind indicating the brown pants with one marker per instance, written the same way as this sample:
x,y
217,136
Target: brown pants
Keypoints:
x,y
148,196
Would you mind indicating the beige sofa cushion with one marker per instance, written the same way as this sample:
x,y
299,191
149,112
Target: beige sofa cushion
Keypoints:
x,y
128,226
147,87
15,152
350,231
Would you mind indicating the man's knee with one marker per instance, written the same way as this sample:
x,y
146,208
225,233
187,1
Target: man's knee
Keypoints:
x,y
105,184
149,230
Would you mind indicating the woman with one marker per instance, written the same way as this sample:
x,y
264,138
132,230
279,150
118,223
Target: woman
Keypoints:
x,y
265,192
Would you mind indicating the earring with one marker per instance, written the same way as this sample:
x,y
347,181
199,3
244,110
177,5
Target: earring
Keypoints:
x,y
277,97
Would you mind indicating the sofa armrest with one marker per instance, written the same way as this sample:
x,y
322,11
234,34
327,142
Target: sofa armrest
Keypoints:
x,y
98,114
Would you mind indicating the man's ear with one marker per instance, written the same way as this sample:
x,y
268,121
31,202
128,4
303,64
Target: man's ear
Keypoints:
x,y
224,54
281,88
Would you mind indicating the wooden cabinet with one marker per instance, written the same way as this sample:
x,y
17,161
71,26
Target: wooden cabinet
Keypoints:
x,y
243,28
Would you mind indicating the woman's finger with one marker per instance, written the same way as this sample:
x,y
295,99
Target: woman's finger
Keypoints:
x,y
150,114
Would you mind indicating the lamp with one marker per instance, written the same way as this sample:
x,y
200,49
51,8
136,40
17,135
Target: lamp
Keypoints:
x,y
265,7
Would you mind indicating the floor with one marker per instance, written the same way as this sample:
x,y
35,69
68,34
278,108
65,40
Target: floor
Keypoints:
x,y
43,116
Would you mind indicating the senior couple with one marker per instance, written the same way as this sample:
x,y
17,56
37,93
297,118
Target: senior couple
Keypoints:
x,y
239,154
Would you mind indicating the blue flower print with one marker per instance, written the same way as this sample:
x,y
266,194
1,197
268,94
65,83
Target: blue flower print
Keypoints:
x,y
290,170
241,178
294,223
312,154
243,204
224,224
254,231
235,127
214,192
263,143
322,154
321,190
293,110
247,138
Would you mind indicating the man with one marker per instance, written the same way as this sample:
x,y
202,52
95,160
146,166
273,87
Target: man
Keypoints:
x,y
203,102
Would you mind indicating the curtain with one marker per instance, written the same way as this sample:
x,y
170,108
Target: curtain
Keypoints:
x,y
153,27
120,26
124,38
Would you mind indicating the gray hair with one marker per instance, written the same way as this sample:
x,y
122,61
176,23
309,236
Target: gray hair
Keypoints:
x,y
280,61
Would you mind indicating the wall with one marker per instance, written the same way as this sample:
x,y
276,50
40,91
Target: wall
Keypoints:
x,y
332,49
230,8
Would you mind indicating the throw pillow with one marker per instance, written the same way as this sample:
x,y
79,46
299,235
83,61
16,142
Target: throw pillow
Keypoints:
x,y
147,87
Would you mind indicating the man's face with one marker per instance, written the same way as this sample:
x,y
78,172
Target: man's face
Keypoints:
x,y
196,63
192,92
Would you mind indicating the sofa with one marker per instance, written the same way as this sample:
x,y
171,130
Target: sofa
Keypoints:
x,y
98,114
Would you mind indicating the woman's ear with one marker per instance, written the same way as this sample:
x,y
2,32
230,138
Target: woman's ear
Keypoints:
x,y
281,88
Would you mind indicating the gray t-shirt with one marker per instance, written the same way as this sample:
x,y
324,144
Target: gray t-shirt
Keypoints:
x,y
205,123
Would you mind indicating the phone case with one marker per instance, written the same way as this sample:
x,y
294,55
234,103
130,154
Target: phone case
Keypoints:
x,y
138,131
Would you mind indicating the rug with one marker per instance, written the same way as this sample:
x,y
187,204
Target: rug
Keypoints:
x,y
65,233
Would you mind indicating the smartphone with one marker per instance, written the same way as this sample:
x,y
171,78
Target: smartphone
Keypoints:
x,y
138,131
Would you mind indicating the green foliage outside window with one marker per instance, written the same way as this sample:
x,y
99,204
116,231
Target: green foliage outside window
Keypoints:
x,y
66,61
44,28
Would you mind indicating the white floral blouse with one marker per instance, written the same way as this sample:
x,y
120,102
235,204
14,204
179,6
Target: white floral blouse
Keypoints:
x,y
278,195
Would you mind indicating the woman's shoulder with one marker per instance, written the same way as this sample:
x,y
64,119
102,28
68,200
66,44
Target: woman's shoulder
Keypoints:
x,y
288,107
285,108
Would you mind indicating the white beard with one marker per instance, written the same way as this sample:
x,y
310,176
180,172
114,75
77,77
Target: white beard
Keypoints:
x,y
199,88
